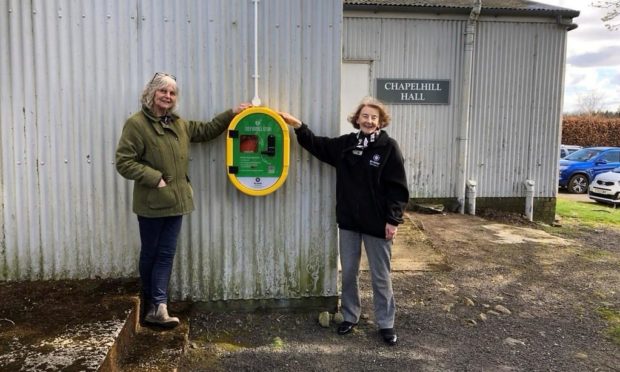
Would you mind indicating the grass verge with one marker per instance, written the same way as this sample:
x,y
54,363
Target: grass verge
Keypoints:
x,y
612,317
591,214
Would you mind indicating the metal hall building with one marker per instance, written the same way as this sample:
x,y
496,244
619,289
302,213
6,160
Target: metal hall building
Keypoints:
x,y
474,89
496,125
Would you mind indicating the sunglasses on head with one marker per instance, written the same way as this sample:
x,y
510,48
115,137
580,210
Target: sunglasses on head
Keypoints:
x,y
163,74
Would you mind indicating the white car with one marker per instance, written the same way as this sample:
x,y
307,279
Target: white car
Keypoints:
x,y
606,187
567,150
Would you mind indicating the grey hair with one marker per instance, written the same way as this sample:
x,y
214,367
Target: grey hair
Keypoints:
x,y
158,82
384,115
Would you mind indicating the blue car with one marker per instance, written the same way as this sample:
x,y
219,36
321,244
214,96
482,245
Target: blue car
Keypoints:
x,y
578,169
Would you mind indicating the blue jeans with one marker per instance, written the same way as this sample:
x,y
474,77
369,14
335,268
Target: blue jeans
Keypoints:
x,y
159,244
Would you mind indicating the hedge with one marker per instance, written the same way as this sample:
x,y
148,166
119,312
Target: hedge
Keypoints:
x,y
588,131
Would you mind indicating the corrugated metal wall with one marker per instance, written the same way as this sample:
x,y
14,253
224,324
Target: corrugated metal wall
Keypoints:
x,y
516,98
416,49
72,72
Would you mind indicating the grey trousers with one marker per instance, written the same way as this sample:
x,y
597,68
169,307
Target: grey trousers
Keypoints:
x,y
378,252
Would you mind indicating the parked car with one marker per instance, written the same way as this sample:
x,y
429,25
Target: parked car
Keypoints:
x,y
606,187
578,169
568,149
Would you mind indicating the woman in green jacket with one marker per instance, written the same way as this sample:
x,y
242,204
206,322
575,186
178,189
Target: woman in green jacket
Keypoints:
x,y
153,151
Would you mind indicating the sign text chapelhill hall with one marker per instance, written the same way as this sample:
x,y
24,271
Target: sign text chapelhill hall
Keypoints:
x,y
404,91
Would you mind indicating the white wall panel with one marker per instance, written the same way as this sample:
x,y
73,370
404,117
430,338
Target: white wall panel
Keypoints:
x,y
73,71
419,49
515,102
516,106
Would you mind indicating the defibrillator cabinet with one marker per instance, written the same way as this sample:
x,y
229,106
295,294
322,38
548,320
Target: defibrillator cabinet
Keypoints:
x,y
257,151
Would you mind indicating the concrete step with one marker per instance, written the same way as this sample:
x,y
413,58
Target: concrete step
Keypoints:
x,y
152,348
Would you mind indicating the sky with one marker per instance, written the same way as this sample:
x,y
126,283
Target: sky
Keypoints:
x,y
592,58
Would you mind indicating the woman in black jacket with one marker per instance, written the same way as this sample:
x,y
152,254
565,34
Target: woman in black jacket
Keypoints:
x,y
371,195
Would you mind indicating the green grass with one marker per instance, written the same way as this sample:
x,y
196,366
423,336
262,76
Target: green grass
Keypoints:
x,y
587,213
613,321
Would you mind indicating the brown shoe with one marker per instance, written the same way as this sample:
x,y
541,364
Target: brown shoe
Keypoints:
x,y
159,316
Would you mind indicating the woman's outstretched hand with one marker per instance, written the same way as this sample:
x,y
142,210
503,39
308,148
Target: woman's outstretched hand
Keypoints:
x,y
241,107
290,119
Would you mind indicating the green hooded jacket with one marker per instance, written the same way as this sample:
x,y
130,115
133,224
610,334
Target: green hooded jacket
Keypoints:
x,y
149,150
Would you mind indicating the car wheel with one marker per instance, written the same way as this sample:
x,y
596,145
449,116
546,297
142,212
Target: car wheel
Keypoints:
x,y
578,184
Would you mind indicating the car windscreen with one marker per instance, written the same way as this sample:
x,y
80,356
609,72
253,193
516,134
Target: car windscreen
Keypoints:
x,y
582,155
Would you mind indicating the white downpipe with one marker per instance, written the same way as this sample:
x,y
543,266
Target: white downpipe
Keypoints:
x,y
471,197
470,37
529,200
256,100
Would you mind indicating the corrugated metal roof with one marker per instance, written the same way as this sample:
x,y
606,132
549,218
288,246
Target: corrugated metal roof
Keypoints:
x,y
489,7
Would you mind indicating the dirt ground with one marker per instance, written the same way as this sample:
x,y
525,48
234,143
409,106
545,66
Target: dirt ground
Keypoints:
x,y
65,325
508,295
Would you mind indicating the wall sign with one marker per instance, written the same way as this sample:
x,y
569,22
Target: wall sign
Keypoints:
x,y
414,92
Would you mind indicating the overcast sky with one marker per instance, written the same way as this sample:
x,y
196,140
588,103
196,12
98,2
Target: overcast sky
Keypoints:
x,y
592,58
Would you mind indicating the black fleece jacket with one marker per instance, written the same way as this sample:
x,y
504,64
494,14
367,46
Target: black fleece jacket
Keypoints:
x,y
371,188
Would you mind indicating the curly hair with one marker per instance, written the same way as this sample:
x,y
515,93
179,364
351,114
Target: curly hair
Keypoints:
x,y
384,116
159,81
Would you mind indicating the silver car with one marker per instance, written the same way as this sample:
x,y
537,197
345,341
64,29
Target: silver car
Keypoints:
x,y
606,187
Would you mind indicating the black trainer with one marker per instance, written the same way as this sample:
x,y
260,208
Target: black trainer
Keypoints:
x,y
345,327
389,336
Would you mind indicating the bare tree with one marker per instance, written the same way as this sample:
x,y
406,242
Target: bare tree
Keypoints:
x,y
613,12
590,103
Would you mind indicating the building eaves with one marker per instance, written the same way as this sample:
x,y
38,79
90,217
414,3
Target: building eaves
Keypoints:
x,y
489,7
